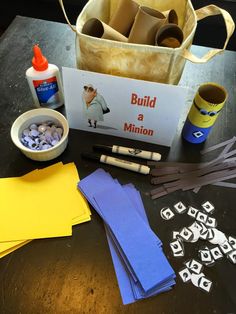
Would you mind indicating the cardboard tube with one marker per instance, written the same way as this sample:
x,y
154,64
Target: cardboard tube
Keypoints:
x,y
123,17
169,35
96,28
171,16
207,105
146,24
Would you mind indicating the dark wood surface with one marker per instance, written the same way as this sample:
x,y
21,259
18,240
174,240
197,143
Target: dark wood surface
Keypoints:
x,y
75,274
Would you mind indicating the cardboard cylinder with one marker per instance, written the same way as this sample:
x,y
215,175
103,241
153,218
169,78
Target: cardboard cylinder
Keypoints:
x,y
207,104
124,16
171,16
169,35
146,24
96,28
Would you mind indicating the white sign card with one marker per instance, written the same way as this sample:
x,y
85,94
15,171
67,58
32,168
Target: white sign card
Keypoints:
x,y
138,110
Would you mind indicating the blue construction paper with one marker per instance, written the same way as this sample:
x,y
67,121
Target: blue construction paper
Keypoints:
x,y
137,240
99,181
131,291
122,274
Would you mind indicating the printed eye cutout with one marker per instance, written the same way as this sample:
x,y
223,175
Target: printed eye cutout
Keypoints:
x,y
177,248
206,256
186,234
211,222
216,253
205,284
226,247
232,242
185,275
232,256
195,266
166,213
208,207
192,212
201,217
180,208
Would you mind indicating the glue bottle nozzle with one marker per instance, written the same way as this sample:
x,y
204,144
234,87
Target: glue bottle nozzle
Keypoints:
x,y
39,62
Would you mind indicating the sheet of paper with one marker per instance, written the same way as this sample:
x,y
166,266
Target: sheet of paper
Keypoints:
x,y
139,246
12,248
45,203
109,200
130,291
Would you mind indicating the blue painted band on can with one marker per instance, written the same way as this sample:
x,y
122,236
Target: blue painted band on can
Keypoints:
x,y
194,134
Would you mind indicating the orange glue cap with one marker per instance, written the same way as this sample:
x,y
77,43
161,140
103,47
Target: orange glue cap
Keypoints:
x,y
39,62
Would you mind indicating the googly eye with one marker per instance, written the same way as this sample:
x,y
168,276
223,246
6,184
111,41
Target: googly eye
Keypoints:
x,y
203,112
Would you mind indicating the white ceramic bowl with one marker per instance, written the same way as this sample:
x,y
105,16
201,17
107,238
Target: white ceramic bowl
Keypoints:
x,y
38,116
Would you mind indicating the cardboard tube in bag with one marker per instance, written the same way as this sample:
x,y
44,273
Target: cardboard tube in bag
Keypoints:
x,y
146,24
169,35
123,17
96,28
172,16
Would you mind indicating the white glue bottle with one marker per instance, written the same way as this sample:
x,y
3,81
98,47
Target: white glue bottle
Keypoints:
x,y
44,82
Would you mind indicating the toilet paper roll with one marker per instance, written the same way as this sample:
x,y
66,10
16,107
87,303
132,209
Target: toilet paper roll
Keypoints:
x,y
169,35
172,16
96,28
123,17
146,24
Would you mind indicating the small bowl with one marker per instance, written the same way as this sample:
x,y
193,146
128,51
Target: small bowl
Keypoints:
x,y
38,116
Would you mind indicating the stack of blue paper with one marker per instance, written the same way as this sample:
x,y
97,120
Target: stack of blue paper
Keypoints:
x,y
141,267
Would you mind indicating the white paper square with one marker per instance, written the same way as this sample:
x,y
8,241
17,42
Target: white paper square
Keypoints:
x,y
176,247
186,234
180,208
205,284
211,222
216,253
195,266
232,242
192,212
185,275
201,217
205,255
208,207
232,256
226,247
166,213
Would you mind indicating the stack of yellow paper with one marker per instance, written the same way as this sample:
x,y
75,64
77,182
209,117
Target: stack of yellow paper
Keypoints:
x,y
41,204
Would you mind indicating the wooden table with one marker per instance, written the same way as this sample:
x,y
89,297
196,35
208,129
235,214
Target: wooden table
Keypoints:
x,y
75,274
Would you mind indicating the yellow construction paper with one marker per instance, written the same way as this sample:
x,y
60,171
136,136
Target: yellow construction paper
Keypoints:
x,y
78,203
35,206
13,248
4,246
54,188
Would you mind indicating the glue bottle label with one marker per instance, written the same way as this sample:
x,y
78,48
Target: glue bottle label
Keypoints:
x,y
47,91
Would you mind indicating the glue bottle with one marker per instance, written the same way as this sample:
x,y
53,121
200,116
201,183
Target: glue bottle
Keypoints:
x,y
44,81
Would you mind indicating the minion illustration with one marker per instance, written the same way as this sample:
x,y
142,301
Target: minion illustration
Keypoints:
x,y
207,104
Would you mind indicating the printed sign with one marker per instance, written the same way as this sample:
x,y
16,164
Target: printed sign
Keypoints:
x,y
124,107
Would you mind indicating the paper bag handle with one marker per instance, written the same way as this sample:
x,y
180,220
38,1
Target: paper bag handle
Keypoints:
x,y
66,17
206,11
